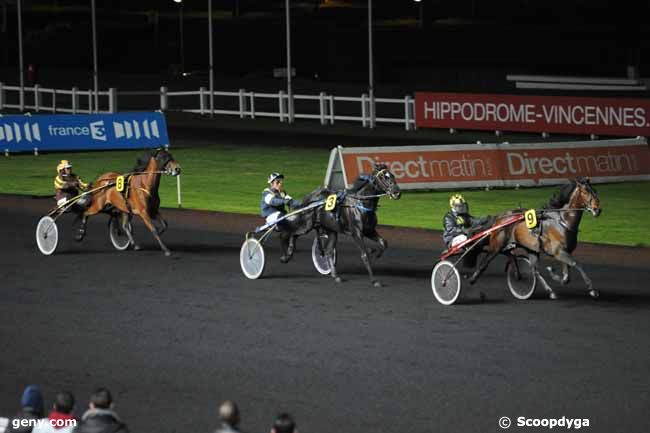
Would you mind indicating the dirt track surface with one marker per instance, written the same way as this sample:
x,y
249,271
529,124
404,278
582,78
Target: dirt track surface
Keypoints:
x,y
171,337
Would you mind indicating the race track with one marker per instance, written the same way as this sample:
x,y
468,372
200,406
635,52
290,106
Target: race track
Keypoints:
x,y
172,337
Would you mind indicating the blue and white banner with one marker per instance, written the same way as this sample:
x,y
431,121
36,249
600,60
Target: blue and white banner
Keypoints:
x,y
83,132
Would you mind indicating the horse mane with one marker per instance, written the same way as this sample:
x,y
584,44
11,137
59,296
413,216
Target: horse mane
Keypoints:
x,y
142,161
562,196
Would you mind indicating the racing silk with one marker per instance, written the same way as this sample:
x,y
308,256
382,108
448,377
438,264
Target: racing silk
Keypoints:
x,y
459,224
273,201
68,186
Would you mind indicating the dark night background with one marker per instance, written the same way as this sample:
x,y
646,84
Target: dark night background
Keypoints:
x,y
438,45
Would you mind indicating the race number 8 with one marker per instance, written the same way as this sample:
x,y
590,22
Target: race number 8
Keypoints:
x,y
119,183
531,218
330,203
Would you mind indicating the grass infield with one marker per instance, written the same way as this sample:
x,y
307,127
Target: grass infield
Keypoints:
x,y
230,179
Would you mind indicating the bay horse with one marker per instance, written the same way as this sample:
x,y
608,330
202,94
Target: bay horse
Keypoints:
x,y
556,234
140,196
354,215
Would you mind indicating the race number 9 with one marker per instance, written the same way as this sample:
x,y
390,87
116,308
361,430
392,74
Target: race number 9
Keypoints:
x,y
531,218
330,203
119,183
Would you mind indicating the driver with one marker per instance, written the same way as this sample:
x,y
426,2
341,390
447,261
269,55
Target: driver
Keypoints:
x,y
274,199
67,186
458,223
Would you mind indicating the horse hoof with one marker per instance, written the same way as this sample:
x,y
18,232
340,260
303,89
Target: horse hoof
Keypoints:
x,y
285,259
168,253
137,247
594,293
338,279
552,295
376,284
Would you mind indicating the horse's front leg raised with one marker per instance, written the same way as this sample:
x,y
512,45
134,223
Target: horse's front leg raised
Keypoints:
x,y
383,245
568,260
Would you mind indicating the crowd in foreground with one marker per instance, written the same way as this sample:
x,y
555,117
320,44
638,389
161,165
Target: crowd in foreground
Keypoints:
x,y
100,417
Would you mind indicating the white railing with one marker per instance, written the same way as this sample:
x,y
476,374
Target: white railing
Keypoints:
x,y
327,109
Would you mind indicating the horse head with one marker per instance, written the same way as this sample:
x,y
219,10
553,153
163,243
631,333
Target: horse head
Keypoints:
x,y
385,181
166,162
585,196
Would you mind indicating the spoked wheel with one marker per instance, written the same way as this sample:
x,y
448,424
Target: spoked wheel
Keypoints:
x,y
47,235
118,235
252,259
445,282
320,259
521,279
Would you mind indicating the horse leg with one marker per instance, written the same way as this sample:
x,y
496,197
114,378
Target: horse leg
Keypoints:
x,y
483,265
383,245
154,232
568,260
534,263
357,237
162,223
125,219
330,247
564,278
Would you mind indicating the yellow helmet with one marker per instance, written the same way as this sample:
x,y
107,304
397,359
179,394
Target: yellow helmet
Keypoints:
x,y
458,204
64,163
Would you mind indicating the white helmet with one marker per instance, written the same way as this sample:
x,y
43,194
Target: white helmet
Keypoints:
x,y
274,176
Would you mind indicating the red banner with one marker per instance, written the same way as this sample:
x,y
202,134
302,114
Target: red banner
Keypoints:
x,y
502,164
571,115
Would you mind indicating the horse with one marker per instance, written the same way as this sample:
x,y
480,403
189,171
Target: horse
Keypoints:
x,y
140,196
354,215
556,236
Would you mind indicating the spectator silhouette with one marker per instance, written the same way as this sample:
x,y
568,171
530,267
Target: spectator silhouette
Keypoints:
x,y
31,403
229,416
100,417
284,424
60,417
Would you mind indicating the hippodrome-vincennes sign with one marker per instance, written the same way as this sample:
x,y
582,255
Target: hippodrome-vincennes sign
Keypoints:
x,y
473,165
574,115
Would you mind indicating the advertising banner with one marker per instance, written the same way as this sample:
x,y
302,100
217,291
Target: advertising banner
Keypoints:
x,y
83,132
480,165
571,115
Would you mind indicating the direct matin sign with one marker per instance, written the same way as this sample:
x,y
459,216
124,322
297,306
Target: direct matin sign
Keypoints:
x,y
83,132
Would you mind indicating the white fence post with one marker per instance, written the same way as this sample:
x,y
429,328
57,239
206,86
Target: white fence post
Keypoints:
x,y
2,96
53,100
280,105
22,98
112,100
164,99
178,190
407,111
242,104
75,100
331,110
323,107
202,102
364,109
90,102
252,98
37,98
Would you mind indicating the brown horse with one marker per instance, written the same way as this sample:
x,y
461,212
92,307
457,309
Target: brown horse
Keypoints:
x,y
556,234
140,196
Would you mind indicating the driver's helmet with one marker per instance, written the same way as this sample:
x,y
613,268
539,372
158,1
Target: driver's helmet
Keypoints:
x,y
63,164
458,204
274,176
